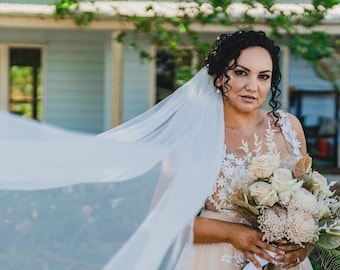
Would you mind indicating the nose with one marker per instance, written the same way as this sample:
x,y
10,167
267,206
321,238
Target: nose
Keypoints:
x,y
252,84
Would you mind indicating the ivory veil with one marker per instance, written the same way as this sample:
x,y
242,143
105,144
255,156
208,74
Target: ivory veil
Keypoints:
x,y
136,188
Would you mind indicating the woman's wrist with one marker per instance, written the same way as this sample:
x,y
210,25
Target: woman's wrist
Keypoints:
x,y
207,230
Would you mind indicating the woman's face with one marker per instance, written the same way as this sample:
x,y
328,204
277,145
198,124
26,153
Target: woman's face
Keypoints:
x,y
250,80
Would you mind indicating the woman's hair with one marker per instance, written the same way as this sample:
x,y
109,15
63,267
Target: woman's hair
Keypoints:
x,y
227,49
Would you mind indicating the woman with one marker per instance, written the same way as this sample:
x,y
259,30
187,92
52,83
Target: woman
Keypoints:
x,y
190,133
245,67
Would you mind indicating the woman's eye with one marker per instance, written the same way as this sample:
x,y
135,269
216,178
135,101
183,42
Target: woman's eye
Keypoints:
x,y
240,72
264,77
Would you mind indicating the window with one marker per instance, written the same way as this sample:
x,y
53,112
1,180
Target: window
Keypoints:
x,y
172,71
25,83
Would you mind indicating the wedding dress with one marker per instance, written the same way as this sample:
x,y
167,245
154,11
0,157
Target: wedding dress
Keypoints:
x,y
223,256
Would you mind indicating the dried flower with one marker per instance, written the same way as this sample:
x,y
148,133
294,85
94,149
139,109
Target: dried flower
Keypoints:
x,y
273,223
318,185
302,228
303,167
304,201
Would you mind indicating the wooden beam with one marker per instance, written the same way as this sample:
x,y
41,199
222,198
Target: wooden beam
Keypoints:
x,y
114,24
117,77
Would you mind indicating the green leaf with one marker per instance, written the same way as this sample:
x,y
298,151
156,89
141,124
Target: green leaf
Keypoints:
x,y
328,241
330,259
326,3
120,37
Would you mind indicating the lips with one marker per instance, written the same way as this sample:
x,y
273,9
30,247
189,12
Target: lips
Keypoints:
x,y
249,97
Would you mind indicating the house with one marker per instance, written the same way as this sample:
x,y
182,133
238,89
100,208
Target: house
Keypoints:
x,y
82,79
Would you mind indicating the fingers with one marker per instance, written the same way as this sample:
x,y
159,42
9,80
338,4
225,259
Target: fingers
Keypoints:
x,y
263,253
292,264
293,256
251,257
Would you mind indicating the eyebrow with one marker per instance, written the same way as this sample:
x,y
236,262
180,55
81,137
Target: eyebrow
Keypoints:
x,y
247,69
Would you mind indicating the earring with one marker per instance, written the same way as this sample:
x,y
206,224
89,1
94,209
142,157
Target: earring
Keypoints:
x,y
218,91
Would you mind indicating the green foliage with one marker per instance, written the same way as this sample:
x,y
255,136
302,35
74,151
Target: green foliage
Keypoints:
x,y
325,3
328,258
321,43
175,31
328,241
65,8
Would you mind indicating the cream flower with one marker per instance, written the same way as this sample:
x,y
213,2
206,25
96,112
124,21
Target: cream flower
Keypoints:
x,y
305,201
302,227
284,184
273,223
263,166
333,204
324,210
318,185
263,193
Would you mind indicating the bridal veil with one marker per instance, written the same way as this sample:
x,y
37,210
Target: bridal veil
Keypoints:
x,y
149,177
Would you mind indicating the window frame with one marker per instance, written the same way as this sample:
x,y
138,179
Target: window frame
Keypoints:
x,y
5,72
154,50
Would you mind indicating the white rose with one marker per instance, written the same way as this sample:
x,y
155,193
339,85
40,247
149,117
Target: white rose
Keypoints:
x,y
284,184
263,193
318,185
262,166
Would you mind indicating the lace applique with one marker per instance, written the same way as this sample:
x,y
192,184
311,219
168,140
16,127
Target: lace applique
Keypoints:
x,y
234,168
290,135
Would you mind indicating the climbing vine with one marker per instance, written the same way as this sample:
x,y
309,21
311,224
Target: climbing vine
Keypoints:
x,y
174,31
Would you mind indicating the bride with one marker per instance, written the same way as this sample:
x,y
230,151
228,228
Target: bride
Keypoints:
x,y
182,160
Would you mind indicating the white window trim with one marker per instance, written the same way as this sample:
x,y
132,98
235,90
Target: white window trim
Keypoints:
x,y
285,56
4,78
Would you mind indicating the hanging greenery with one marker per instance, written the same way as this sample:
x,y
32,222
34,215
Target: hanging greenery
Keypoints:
x,y
162,30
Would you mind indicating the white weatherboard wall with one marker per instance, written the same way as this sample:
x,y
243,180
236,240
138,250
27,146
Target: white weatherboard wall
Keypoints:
x,y
74,80
137,84
73,75
302,75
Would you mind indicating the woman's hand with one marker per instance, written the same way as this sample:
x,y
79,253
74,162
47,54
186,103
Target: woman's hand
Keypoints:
x,y
294,255
249,241
245,238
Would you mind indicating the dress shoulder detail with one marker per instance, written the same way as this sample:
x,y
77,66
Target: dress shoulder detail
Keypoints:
x,y
290,134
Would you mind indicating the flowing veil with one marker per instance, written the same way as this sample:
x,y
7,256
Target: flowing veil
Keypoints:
x,y
124,199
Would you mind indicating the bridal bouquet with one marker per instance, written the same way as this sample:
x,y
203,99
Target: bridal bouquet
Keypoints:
x,y
292,204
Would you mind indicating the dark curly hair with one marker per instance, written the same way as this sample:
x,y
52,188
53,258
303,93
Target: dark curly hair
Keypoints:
x,y
227,49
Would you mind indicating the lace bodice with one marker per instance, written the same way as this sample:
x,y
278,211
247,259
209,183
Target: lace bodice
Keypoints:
x,y
235,168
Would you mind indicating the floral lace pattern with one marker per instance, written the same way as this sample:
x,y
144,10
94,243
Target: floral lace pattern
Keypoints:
x,y
234,168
